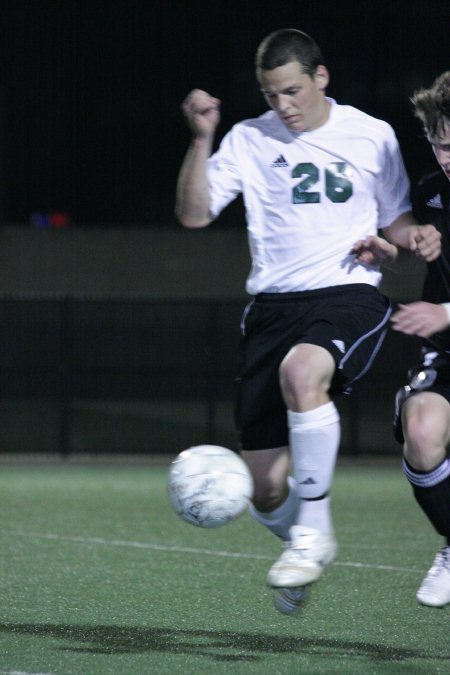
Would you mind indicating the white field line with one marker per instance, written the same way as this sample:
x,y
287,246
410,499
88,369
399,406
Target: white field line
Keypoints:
x,y
20,672
100,541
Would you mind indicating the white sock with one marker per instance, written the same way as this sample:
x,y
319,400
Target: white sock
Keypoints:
x,y
314,439
282,518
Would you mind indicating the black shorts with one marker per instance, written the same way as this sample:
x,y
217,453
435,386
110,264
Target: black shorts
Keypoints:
x,y
349,321
431,374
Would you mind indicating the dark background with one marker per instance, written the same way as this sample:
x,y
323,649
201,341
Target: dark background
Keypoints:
x,y
91,91
119,333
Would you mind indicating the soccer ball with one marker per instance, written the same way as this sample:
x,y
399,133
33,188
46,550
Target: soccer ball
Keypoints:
x,y
209,486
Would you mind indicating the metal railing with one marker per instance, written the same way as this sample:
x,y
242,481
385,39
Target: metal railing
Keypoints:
x,y
138,375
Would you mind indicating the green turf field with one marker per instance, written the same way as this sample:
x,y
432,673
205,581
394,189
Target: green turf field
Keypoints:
x,y
99,576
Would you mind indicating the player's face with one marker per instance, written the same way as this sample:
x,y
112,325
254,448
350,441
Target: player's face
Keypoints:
x,y
441,148
298,99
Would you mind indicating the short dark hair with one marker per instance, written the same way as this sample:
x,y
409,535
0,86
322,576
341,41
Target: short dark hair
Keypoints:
x,y
287,45
432,106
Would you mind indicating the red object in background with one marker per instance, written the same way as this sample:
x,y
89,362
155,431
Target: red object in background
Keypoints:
x,y
59,219
55,219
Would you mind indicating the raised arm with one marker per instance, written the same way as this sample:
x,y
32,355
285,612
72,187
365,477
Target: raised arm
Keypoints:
x,y
192,197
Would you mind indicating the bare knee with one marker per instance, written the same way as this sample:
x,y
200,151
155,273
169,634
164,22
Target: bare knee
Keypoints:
x,y
426,419
305,375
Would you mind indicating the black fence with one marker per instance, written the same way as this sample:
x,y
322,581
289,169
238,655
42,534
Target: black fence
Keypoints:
x,y
139,376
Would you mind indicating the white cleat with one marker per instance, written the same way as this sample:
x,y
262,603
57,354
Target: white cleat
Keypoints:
x,y
307,554
435,588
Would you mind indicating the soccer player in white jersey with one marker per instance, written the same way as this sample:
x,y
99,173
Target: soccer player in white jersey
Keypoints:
x,y
318,181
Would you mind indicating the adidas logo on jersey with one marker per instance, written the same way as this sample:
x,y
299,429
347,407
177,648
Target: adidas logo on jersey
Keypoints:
x,y
308,481
435,202
279,161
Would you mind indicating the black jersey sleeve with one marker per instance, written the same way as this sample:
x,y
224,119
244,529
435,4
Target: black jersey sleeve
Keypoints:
x,y
431,205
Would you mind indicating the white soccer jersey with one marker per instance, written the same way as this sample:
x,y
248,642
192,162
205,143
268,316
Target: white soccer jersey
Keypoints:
x,y
309,196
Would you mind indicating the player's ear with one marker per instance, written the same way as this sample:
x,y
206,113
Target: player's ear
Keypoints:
x,y
322,77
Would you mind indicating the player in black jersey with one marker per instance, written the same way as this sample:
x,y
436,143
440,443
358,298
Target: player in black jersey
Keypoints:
x,y
422,420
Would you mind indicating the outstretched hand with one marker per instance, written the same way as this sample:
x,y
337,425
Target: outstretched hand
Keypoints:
x,y
420,318
373,250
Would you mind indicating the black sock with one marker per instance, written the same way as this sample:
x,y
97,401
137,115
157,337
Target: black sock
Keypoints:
x,y
432,492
